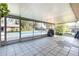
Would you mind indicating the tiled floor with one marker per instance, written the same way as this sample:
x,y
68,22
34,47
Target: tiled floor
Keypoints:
x,y
48,46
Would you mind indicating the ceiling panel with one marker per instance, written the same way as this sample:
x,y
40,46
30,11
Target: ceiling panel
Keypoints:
x,y
49,12
75,8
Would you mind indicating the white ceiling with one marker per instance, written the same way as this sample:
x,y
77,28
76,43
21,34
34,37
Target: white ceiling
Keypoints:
x,y
50,12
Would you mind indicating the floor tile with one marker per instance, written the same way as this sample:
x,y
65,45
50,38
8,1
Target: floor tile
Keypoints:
x,y
47,46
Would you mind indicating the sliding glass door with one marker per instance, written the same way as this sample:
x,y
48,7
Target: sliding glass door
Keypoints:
x,y
2,29
26,29
12,29
37,29
46,27
44,31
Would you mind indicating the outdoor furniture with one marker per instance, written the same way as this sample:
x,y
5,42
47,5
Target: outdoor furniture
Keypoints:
x,y
77,35
50,33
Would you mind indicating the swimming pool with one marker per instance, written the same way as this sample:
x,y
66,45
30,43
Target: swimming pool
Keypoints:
x,y
15,35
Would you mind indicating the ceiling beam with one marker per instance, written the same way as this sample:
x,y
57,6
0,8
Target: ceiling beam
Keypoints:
x,y
74,9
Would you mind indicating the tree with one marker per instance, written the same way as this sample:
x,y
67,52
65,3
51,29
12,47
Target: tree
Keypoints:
x,y
59,29
26,26
4,11
62,29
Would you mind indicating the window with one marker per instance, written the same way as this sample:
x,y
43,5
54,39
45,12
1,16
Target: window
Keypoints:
x,y
26,28
44,31
46,27
12,29
37,28
2,29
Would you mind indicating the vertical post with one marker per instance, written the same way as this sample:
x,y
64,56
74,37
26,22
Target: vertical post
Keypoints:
x,y
19,29
54,29
33,29
19,23
76,26
41,29
5,26
0,31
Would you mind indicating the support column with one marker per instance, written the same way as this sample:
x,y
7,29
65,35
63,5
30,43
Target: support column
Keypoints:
x,y
5,26
19,29
0,31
